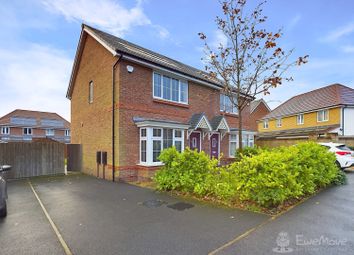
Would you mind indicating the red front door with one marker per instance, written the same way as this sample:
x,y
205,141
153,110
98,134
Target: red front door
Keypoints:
x,y
194,141
214,146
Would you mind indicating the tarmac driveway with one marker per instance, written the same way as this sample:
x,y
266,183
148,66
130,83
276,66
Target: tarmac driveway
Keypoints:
x,y
99,217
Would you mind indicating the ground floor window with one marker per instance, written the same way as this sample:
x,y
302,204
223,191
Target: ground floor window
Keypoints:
x,y
153,140
247,141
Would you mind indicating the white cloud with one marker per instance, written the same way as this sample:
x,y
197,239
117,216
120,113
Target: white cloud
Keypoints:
x,y
105,14
339,32
348,48
219,38
294,21
36,78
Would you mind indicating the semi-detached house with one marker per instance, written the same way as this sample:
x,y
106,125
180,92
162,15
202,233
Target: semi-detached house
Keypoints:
x,y
132,103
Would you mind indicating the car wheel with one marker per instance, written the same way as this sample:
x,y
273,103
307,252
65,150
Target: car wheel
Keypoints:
x,y
339,166
3,210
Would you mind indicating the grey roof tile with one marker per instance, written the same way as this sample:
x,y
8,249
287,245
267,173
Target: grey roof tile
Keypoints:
x,y
332,95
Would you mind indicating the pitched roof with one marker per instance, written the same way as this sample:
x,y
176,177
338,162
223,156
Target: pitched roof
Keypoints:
x,y
36,118
299,131
122,46
254,104
329,96
199,120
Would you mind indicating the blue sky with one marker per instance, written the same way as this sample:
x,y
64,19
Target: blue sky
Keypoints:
x,y
38,41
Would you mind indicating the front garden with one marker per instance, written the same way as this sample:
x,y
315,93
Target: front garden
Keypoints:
x,y
268,180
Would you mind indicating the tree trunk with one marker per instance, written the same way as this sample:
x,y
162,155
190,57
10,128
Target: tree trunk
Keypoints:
x,y
240,130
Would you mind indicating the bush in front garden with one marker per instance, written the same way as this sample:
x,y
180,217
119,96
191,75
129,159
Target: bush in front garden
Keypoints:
x,y
266,177
273,176
193,172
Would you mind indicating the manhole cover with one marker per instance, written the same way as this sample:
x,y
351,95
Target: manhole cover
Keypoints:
x,y
180,206
152,203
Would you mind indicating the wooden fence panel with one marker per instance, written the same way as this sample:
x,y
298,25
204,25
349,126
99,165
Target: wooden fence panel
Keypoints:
x,y
32,159
74,157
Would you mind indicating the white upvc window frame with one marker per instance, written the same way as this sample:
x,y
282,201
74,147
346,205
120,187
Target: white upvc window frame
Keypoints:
x,y
223,108
171,77
67,132
300,119
234,139
50,132
150,138
265,124
27,133
142,138
90,96
5,130
279,122
323,113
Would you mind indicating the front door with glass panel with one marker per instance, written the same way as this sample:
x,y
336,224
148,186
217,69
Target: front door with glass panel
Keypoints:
x,y
194,141
214,146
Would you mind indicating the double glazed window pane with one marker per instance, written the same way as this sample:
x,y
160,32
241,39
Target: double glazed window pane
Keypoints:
x,y
184,92
157,85
175,90
166,88
143,151
167,138
156,144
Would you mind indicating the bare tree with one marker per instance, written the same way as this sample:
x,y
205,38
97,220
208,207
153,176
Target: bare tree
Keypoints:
x,y
251,62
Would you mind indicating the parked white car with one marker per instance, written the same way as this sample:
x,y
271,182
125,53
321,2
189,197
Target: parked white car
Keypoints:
x,y
345,156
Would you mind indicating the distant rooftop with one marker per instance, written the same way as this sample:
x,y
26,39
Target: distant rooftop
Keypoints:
x,y
329,96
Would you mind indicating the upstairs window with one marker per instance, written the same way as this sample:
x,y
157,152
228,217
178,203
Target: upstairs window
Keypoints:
x,y
5,130
170,89
27,131
300,119
226,105
90,99
279,123
322,116
266,124
67,132
49,132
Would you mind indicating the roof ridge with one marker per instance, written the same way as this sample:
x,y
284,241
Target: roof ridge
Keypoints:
x,y
146,49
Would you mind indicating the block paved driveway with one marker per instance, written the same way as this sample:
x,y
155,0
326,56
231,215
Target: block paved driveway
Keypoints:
x,y
100,217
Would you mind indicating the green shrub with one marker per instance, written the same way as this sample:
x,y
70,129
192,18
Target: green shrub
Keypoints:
x,y
273,176
247,152
265,177
340,178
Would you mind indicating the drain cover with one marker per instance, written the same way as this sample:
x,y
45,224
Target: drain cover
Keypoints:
x,y
153,203
180,206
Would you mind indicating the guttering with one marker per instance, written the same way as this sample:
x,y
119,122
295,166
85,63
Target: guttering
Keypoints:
x,y
157,67
113,114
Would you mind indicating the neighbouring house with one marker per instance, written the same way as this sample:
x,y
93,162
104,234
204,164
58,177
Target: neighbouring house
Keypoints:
x,y
24,125
258,109
326,112
132,103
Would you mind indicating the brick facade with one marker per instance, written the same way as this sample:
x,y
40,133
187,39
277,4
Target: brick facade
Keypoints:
x,y
92,123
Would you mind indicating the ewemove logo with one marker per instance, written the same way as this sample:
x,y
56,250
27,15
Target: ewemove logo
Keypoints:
x,y
283,242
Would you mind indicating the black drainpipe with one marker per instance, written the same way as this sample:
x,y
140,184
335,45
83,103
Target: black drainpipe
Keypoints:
x,y
113,115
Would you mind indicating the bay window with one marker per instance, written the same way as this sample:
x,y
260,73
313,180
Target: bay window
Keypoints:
x,y
170,89
154,139
247,141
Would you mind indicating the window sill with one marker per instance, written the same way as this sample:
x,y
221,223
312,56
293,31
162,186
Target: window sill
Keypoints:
x,y
151,164
229,114
170,103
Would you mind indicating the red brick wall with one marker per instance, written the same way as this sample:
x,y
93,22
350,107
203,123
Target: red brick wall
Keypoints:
x,y
91,123
136,99
257,114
